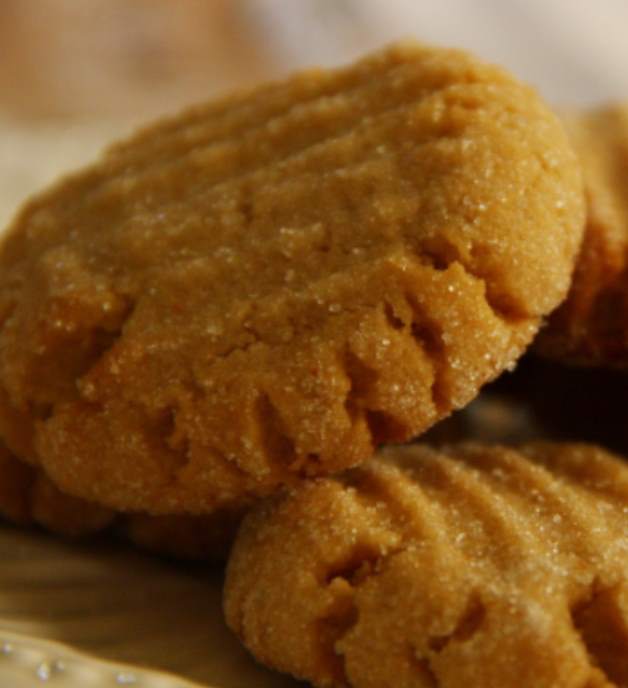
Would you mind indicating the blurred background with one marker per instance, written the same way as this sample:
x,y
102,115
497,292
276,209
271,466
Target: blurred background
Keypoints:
x,y
75,74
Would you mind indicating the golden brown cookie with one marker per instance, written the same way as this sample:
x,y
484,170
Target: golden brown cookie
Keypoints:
x,y
268,287
591,327
475,565
27,497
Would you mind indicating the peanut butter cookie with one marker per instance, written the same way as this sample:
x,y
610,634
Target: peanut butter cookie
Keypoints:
x,y
27,498
268,287
472,566
591,327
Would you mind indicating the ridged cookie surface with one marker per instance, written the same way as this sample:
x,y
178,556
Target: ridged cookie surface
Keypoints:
x,y
591,327
473,566
267,287
28,498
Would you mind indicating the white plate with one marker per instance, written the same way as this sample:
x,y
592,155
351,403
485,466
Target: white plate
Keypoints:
x,y
98,615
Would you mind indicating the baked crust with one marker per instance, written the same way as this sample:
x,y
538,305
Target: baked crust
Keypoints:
x,y
268,287
471,565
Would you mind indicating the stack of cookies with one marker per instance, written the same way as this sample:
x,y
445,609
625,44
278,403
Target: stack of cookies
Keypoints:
x,y
230,313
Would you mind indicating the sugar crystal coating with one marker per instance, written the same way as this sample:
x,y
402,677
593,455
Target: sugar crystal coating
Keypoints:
x,y
268,287
473,565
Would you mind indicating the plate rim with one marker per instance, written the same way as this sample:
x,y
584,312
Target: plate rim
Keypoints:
x,y
66,654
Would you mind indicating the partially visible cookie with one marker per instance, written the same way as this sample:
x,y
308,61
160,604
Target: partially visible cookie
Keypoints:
x,y
27,497
591,327
268,287
15,482
207,537
474,565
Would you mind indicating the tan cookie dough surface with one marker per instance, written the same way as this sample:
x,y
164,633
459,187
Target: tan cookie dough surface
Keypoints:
x,y
591,327
269,286
468,566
